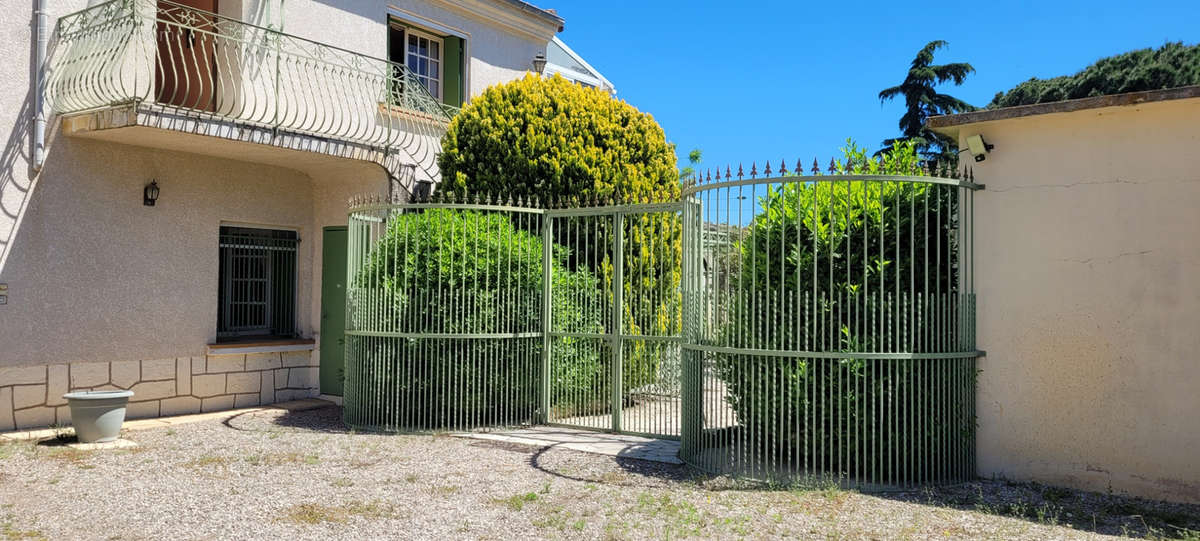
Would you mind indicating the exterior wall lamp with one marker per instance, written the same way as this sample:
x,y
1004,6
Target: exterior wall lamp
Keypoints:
x,y
539,63
150,193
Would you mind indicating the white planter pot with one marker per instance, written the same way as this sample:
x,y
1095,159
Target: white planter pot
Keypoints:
x,y
97,415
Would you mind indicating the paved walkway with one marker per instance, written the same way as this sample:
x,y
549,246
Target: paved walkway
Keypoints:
x,y
601,443
158,422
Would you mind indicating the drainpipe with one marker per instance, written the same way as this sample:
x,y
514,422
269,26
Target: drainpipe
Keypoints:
x,y
42,35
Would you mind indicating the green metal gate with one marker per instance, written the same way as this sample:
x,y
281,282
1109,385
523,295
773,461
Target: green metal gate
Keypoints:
x,y
635,252
785,326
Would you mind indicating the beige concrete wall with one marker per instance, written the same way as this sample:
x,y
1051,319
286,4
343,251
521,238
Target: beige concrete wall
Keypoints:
x,y
1087,266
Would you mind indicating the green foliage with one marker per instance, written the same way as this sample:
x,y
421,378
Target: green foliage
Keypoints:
x,y
1170,66
818,271
553,139
694,158
461,272
922,100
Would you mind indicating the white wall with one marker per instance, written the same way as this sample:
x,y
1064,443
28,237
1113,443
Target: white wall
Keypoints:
x,y
497,53
1088,253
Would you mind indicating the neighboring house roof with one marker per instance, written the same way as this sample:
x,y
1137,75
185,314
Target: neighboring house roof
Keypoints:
x,y
562,60
547,14
949,124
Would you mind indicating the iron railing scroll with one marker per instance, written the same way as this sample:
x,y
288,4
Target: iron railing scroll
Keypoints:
x,y
157,53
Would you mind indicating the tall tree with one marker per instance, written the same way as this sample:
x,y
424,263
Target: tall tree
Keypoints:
x,y
693,160
1170,66
922,100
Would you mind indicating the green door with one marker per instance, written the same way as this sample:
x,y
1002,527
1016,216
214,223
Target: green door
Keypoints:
x,y
333,309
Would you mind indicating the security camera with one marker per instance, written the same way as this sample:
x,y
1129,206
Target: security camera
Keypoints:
x,y
978,147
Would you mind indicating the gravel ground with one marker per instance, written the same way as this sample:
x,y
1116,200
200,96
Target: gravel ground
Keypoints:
x,y
302,475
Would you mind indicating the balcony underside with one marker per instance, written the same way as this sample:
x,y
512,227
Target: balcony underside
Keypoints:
x,y
164,127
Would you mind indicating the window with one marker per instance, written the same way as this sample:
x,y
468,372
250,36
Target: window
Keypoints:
x,y
256,283
435,60
423,56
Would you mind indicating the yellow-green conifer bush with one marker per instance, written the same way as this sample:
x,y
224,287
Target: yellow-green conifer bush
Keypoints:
x,y
553,140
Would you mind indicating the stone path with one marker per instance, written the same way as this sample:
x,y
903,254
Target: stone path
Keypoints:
x,y
600,443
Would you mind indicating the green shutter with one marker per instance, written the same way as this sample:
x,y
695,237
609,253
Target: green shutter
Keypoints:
x,y
452,91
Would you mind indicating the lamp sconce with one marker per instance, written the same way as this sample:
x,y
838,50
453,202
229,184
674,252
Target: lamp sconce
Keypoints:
x,y
978,147
539,63
150,193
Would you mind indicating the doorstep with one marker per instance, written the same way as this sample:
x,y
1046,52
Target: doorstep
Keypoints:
x,y
159,422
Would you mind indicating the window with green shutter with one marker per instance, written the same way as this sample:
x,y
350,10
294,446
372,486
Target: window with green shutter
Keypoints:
x,y
435,59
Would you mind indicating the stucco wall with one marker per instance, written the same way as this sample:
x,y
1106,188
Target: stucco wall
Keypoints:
x,y
1088,253
96,276
497,54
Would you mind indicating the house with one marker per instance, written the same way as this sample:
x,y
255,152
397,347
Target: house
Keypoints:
x,y
1088,302
175,183
564,61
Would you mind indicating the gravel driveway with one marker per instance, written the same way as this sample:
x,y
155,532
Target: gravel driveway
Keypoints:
x,y
302,475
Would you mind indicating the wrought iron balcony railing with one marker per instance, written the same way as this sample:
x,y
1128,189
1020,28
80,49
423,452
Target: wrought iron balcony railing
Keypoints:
x,y
163,55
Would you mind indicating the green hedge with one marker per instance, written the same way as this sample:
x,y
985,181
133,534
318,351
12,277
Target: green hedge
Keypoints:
x,y
835,405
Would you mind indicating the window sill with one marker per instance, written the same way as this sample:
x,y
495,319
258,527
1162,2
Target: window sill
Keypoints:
x,y
261,346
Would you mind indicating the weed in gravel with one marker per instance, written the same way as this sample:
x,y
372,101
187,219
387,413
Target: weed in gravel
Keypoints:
x,y
8,531
682,518
7,449
69,455
315,513
411,478
281,459
208,461
342,482
517,502
445,491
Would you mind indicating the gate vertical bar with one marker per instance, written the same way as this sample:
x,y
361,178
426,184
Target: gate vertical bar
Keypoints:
x,y
617,328
547,244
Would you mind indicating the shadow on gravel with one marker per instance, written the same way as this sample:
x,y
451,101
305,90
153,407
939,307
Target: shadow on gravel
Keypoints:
x,y
325,420
1107,514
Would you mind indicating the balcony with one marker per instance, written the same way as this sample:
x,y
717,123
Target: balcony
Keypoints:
x,y
165,66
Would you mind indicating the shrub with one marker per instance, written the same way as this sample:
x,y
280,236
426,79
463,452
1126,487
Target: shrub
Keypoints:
x,y
550,138
457,272
812,264
554,140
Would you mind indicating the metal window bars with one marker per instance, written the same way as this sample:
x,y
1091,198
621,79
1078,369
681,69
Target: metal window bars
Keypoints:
x,y
175,58
782,326
257,283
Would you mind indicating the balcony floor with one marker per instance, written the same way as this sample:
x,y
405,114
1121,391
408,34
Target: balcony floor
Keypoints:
x,y
155,126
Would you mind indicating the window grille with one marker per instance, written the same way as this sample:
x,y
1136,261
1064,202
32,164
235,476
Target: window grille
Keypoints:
x,y
257,283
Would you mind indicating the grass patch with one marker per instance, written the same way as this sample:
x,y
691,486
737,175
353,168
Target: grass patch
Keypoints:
x,y
10,532
282,459
681,518
208,461
517,502
8,449
445,491
315,513
69,455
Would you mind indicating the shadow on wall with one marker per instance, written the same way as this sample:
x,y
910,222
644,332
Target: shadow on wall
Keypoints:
x,y
15,190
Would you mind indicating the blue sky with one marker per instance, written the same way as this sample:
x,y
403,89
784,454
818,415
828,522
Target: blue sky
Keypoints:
x,y
786,79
